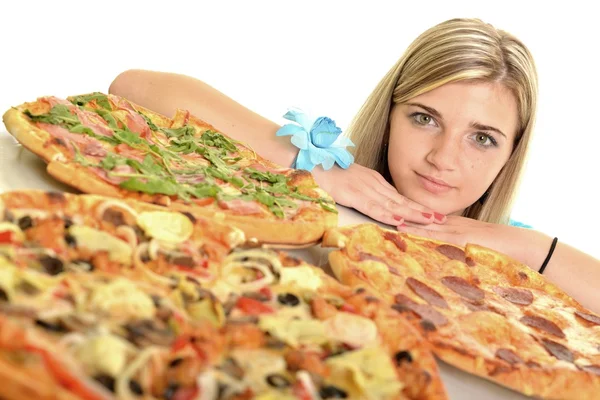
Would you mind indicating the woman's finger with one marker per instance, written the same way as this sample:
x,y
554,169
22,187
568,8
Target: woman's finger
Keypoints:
x,y
386,210
396,201
438,234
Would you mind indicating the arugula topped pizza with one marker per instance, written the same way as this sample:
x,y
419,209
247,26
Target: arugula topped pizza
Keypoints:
x,y
103,144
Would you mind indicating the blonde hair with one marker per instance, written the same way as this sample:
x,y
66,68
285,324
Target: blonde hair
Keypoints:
x,y
455,50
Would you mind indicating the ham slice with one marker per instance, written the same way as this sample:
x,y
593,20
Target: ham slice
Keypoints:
x,y
88,119
135,122
93,121
242,207
129,152
115,180
94,149
65,136
55,100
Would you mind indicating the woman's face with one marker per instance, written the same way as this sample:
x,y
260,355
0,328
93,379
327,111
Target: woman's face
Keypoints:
x,y
447,146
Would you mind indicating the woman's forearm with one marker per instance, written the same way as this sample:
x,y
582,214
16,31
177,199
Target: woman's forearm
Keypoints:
x,y
166,92
577,273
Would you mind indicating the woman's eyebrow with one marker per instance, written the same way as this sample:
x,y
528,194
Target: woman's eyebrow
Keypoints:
x,y
482,127
437,114
430,110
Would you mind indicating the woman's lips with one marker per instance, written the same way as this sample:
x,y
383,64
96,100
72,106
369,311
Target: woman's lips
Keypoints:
x,y
432,185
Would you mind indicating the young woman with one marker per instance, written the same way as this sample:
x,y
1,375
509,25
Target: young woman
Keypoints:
x,y
440,144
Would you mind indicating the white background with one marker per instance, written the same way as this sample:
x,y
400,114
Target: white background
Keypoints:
x,y
324,57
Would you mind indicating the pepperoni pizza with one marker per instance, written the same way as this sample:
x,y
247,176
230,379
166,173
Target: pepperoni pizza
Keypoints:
x,y
481,311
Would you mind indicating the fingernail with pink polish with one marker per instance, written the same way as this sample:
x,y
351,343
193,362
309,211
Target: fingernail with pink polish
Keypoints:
x,y
398,218
439,217
426,215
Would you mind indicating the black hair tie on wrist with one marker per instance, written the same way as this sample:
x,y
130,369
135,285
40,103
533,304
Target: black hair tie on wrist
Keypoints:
x,y
549,256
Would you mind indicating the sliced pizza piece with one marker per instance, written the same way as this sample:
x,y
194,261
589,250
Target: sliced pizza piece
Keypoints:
x,y
95,335
480,310
295,332
105,145
58,232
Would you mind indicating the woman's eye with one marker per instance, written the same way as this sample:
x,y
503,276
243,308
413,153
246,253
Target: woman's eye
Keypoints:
x,y
422,119
485,140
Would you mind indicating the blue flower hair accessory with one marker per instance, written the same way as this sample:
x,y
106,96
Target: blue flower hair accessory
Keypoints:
x,y
319,141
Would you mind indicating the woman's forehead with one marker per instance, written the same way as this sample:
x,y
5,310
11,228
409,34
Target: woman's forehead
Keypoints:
x,y
462,103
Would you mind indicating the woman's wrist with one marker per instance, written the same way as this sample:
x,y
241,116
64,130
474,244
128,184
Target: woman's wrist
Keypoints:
x,y
319,141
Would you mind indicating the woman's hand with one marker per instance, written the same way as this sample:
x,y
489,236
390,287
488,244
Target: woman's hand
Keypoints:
x,y
368,192
525,245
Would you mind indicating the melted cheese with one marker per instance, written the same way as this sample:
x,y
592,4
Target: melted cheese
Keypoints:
x,y
366,374
171,227
295,332
95,241
258,364
122,298
8,277
304,277
352,329
103,354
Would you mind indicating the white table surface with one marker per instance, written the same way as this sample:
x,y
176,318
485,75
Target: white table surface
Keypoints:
x,y
21,169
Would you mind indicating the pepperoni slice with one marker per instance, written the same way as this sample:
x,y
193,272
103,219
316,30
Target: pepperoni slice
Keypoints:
x,y
426,293
463,287
366,256
543,324
518,296
452,252
593,369
397,240
424,311
588,317
509,356
480,306
558,350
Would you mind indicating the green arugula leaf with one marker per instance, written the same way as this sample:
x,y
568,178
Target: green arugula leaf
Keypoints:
x,y
277,211
112,160
184,131
147,167
327,206
82,129
278,188
228,197
151,167
100,98
265,176
215,139
184,146
85,130
300,196
203,190
237,181
149,122
80,158
152,186
108,117
58,115
130,138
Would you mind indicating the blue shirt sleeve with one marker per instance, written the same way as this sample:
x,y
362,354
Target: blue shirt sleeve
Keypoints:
x,y
518,224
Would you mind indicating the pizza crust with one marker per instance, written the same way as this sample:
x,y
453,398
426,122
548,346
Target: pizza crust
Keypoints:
x,y
20,383
543,382
30,136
